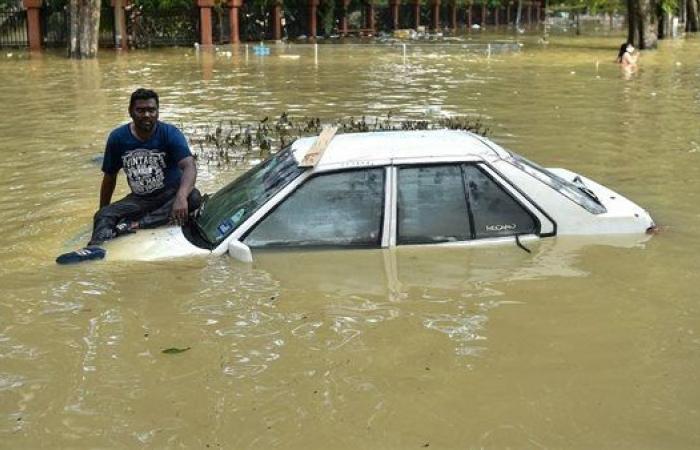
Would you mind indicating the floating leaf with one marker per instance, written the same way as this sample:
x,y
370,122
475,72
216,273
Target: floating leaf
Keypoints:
x,y
175,350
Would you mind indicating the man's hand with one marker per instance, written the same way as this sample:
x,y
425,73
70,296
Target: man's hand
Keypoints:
x,y
179,214
189,175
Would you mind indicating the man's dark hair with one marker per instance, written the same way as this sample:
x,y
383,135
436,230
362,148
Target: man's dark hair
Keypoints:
x,y
143,94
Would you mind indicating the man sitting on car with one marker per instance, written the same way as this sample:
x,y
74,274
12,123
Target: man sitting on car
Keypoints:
x,y
159,169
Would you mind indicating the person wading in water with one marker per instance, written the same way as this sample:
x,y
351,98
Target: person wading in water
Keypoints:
x,y
627,56
159,169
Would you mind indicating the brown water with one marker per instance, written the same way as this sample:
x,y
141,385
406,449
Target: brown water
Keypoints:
x,y
577,345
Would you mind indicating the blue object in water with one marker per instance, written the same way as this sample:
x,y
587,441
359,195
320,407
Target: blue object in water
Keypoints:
x,y
261,50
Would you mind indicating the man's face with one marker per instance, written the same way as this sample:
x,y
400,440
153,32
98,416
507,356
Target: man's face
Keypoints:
x,y
144,114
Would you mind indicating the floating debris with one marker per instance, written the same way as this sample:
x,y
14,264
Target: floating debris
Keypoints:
x,y
175,350
228,143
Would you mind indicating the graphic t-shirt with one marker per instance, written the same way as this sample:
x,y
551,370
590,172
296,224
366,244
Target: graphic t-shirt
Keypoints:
x,y
151,165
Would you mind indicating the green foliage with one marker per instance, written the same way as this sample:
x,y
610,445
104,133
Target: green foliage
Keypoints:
x,y
326,11
668,6
489,3
590,6
154,5
10,4
261,5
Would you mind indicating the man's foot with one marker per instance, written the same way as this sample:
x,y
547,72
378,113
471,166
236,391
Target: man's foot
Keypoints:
x,y
84,254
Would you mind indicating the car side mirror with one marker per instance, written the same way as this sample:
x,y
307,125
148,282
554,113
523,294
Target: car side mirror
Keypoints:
x,y
239,251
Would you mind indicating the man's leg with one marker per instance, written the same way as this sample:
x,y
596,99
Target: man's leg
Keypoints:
x,y
130,207
103,229
161,215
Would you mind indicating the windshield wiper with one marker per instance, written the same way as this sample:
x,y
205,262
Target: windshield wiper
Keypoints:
x,y
195,227
586,190
200,210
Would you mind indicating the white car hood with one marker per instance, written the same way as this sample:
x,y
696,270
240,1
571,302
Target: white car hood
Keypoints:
x,y
152,245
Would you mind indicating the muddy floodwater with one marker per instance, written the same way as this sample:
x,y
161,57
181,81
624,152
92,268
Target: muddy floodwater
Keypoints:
x,y
584,343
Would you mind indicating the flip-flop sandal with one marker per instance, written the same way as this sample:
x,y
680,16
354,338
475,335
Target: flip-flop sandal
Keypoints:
x,y
84,254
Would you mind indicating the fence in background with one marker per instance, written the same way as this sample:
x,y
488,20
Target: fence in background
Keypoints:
x,y
13,28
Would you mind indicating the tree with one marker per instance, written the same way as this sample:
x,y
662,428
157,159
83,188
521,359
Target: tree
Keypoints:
x,y
518,15
693,21
642,23
84,28
666,10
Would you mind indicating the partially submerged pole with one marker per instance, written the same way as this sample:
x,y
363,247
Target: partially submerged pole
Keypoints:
x,y
344,18
277,21
205,29
233,20
33,23
313,8
120,33
416,13
394,6
436,15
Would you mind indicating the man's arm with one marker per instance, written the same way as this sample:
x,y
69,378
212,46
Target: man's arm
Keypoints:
x,y
109,181
189,176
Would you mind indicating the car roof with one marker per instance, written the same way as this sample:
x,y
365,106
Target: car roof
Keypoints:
x,y
386,147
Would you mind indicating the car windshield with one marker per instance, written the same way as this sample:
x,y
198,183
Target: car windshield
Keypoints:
x,y
564,187
237,201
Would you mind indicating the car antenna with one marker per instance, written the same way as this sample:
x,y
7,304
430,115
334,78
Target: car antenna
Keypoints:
x,y
313,156
519,244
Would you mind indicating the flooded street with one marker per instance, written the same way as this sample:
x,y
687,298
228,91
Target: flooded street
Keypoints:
x,y
584,343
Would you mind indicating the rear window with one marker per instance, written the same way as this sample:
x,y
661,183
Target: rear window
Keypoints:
x,y
495,212
564,187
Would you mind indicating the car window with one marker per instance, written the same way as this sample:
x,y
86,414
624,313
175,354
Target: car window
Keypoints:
x,y
564,187
338,209
237,201
495,212
432,205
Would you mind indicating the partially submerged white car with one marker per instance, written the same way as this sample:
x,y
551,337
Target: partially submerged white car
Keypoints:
x,y
387,189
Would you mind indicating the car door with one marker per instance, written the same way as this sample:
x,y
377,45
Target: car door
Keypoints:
x,y
338,209
459,203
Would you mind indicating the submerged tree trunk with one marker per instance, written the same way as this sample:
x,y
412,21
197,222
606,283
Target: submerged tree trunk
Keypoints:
x,y
665,25
84,28
578,23
631,12
642,24
692,18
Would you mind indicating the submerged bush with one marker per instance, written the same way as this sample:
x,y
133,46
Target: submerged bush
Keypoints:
x,y
229,142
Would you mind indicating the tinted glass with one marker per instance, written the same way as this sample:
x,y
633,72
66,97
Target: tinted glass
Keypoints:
x,y
233,204
495,212
432,205
340,209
